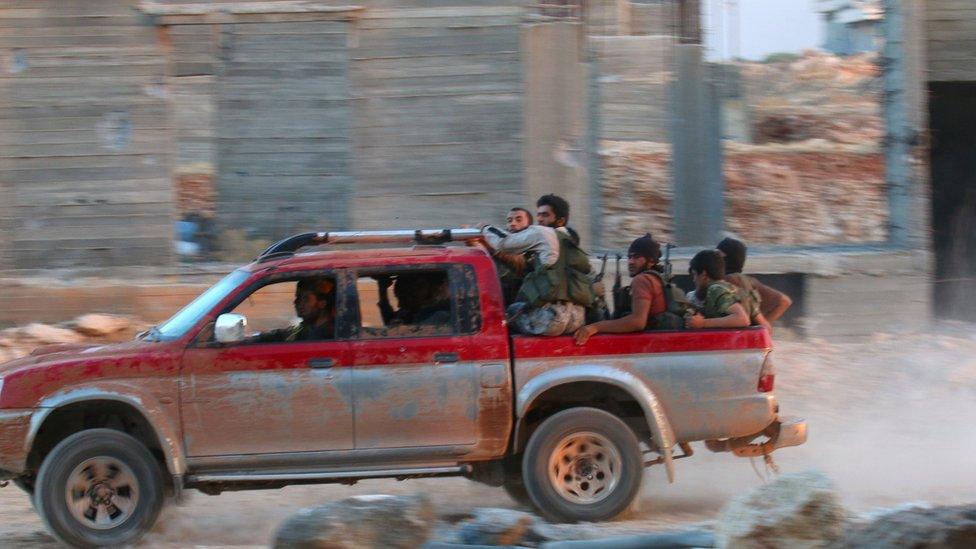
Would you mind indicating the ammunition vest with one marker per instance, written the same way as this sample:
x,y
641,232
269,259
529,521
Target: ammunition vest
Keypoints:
x,y
566,280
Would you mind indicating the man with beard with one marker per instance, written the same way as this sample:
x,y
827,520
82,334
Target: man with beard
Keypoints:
x,y
647,298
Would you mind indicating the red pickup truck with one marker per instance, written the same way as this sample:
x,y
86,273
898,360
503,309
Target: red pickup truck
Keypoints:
x,y
101,435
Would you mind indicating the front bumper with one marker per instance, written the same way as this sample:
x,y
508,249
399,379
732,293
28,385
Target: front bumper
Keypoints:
x,y
782,433
14,427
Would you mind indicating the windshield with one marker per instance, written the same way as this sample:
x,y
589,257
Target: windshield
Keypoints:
x,y
191,314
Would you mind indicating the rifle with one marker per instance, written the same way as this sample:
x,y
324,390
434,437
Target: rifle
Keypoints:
x,y
667,261
603,268
598,310
621,299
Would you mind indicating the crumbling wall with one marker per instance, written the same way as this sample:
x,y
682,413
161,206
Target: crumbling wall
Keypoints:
x,y
814,177
791,194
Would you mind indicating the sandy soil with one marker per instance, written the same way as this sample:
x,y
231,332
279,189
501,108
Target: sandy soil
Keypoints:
x,y
890,421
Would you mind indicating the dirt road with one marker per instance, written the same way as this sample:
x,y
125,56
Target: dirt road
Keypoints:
x,y
890,421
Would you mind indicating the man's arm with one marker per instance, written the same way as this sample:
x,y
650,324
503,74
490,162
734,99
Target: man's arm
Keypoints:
x,y
538,239
774,302
634,322
736,318
516,262
644,291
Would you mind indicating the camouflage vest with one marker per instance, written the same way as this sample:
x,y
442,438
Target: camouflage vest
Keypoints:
x,y
566,280
749,297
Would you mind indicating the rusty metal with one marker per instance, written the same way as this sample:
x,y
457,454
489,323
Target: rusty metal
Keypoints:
x,y
686,452
782,433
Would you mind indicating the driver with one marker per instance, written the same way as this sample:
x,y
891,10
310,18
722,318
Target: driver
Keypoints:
x,y
315,303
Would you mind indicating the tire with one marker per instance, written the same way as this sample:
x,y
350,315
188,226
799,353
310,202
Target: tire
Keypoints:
x,y
582,464
106,471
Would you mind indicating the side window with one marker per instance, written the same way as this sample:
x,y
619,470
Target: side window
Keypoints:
x,y
291,311
406,303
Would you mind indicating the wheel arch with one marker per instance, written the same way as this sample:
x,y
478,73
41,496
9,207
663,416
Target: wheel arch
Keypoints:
x,y
536,391
79,409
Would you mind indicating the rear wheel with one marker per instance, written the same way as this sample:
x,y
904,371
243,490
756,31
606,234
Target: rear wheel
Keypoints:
x,y
582,464
99,488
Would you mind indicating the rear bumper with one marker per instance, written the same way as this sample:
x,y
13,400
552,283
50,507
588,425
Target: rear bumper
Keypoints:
x,y
782,433
14,427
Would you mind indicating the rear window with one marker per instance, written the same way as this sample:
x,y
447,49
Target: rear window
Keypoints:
x,y
417,302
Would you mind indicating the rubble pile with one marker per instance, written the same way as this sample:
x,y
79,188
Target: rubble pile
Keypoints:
x,y
792,194
90,328
814,175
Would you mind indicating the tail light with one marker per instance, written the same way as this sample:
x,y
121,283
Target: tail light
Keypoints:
x,y
767,375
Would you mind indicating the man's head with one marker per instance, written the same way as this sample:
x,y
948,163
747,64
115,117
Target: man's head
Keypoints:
x,y
735,255
644,253
416,290
518,219
706,267
315,300
552,211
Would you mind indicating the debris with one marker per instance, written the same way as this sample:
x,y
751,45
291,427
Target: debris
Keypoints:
x,y
379,521
796,510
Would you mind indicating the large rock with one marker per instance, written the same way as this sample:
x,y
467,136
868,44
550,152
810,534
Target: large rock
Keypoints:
x,y
41,334
360,522
797,510
101,325
491,526
950,527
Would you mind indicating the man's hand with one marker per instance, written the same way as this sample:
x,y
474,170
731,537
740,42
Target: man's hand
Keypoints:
x,y
584,334
694,321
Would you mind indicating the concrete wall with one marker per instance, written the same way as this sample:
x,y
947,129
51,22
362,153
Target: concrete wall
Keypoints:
x,y
437,113
556,122
83,137
634,73
378,120
950,26
283,127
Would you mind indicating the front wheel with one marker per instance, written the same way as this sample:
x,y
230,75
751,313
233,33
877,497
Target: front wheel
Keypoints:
x,y
99,488
582,464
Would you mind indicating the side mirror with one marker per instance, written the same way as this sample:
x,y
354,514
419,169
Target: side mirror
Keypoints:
x,y
229,328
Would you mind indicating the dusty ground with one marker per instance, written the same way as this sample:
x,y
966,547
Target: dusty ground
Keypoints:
x,y
890,421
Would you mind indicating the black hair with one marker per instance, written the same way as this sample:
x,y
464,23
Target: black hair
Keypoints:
x,y
521,209
645,247
709,262
735,254
558,204
314,285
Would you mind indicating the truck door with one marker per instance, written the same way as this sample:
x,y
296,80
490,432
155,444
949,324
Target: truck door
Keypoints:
x,y
423,376
271,393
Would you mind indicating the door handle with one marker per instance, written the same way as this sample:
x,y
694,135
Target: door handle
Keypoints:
x,y
321,363
446,357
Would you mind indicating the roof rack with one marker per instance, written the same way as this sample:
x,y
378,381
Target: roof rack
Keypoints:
x,y
292,244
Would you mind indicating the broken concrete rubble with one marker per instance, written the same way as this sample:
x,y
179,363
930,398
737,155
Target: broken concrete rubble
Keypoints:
x,y
795,510
360,522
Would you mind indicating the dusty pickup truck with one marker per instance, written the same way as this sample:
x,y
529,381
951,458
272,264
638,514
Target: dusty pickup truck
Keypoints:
x,y
100,436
